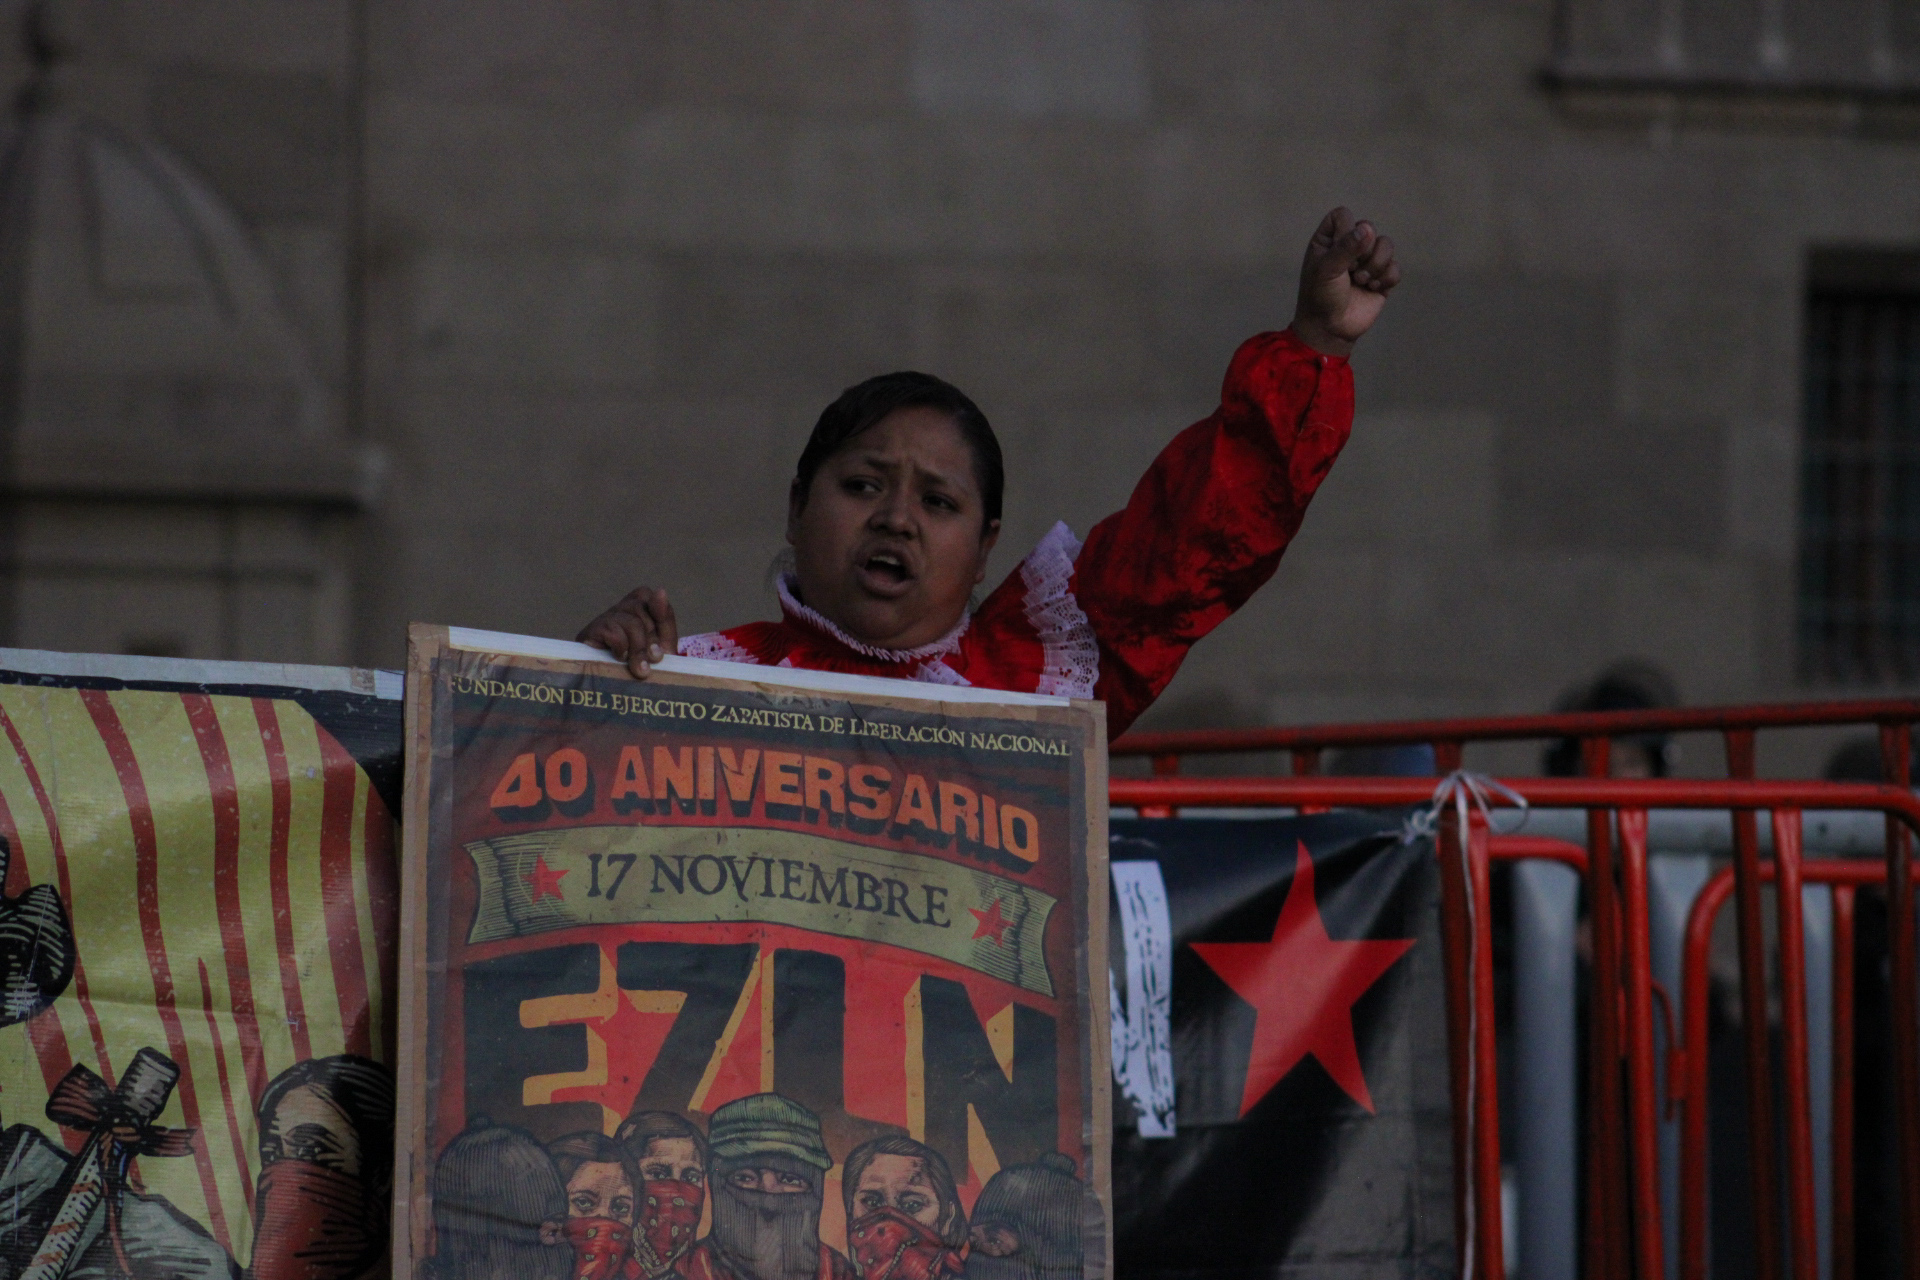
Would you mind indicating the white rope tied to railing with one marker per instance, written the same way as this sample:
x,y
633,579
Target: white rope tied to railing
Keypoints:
x,y
1462,789
1464,792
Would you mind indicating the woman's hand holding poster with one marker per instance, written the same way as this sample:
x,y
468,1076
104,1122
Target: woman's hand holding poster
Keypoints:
x,y
748,979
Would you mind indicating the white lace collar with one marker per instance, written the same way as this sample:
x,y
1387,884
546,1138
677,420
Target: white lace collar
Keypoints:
x,y
791,606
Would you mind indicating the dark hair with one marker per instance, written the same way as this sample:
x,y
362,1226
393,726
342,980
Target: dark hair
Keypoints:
x,y
1626,686
591,1147
1860,759
642,1127
952,1226
493,1187
865,404
361,1088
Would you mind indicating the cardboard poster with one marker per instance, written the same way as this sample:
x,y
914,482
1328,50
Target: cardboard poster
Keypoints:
x,y
197,931
747,973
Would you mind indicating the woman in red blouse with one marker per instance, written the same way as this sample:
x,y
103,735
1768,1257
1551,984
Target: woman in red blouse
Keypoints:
x,y
895,507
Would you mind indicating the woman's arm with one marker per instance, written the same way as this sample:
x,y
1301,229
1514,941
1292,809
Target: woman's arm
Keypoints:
x,y
1206,525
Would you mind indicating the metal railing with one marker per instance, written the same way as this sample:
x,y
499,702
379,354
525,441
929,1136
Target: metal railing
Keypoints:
x,y
1623,1210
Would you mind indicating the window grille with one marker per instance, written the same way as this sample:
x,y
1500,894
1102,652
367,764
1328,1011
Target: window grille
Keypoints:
x,y
1859,600
1856,47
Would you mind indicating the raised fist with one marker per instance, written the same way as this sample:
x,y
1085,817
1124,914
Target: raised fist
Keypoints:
x,y
1344,282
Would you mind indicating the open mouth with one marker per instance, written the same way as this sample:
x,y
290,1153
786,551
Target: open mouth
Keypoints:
x,y
887,568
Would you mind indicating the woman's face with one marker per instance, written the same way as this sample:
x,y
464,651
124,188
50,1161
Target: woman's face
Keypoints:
x,y
897,1182
889,542
600,1190
673,1160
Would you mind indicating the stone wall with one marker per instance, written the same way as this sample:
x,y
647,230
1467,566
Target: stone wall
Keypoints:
x,y
614,255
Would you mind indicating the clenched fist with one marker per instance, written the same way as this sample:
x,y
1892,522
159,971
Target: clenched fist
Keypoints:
x,y
1349,270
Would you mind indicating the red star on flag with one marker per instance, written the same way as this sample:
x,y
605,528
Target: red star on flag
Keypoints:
x,y
1303,985
544,880
992,923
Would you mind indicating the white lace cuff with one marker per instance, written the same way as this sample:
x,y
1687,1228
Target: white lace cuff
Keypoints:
x,y
715,646
1072,653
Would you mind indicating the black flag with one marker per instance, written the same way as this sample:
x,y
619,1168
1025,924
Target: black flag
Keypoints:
x,y
1308,1114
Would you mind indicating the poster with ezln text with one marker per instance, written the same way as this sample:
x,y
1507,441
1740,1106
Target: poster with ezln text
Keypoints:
x,y
737,979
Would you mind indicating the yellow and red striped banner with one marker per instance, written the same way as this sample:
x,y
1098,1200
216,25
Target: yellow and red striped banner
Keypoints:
x,y
229,871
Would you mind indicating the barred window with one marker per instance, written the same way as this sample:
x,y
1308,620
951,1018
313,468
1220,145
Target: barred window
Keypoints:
x,y
1859,608
1855,47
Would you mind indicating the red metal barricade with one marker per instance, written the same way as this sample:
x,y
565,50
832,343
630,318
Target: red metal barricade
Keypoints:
x,y
1623,1213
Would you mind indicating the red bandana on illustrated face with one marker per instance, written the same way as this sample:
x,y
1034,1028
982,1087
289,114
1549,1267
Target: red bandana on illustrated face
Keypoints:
x,y
600,1247
668,1220
888,1245
312,1223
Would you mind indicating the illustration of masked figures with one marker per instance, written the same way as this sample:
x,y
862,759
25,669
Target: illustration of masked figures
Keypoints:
x,y
1027,1223
904,1219
671,1155
768,1164
494,1190
324,1123
599,1178
326,1162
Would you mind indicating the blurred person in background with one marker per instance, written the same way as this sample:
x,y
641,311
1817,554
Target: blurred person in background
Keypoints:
x,y
1626,686
1859,759
1407,760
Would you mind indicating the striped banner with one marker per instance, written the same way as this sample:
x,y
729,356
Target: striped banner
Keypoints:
x,y
228,868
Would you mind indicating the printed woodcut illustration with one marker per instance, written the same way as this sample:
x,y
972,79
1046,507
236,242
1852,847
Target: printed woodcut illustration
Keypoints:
x,y
197,931
735,979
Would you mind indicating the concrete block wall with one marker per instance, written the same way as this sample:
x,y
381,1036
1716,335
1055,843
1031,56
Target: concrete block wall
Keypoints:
x,y
614,256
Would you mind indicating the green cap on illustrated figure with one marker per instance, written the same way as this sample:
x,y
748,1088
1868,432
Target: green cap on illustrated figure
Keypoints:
x,y
766,1124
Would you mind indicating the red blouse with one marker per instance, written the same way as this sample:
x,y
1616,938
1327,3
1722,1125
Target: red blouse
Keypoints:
x,y
1113,618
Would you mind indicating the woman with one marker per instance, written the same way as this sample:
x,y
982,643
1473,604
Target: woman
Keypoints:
x,y
904,1220
672,1158
600,1181
895,507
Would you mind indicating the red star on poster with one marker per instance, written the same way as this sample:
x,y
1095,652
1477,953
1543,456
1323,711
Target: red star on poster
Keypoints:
x,y
992,923
1303,985
544,880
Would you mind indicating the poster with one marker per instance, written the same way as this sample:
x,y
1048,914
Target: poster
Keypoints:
x,y
1280,1047
197,931
786,976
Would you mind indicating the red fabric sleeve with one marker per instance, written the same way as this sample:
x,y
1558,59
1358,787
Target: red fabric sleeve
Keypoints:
x,y
1207,523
